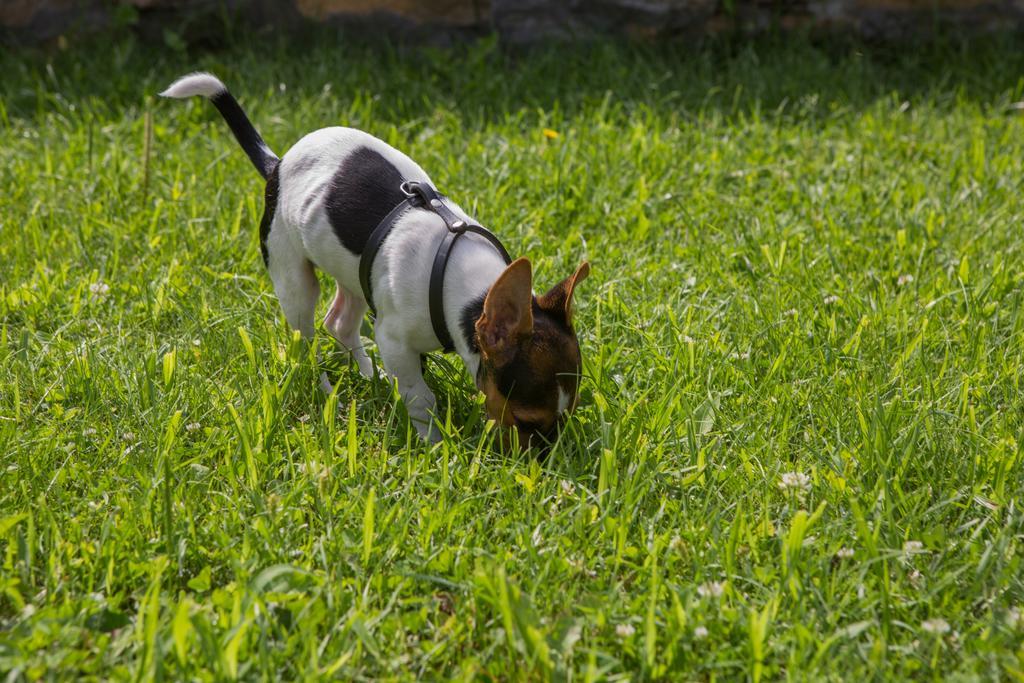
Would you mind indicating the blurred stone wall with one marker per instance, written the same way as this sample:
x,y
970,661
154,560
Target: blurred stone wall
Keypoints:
x,y
520,21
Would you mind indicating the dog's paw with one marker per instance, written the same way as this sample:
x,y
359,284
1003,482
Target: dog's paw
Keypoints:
x,y
428,431
365,367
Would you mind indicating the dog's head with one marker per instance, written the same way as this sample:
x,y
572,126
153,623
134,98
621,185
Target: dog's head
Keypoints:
x,y
529,356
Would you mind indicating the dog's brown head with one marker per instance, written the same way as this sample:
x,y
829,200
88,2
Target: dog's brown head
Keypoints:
x,y
529,355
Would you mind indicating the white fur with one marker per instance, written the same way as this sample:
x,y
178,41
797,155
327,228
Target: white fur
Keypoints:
x,y
198,83
301,237
563,400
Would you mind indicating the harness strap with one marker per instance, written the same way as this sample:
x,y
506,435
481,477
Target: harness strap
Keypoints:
x,y
374,243
421,195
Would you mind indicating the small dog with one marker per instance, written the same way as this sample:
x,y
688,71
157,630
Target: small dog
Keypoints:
x,y
324,200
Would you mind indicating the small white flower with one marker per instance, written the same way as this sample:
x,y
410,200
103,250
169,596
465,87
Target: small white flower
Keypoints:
x,y
937,626
796,482
905,279
128,436
916,578
193,427
1014,617
711,589
91,431
676,544
314,470
844,553
577,564
99,288
700,633
624,630
196,342
791,313
913,547
568,488
687,339
830,299
740,356
304,418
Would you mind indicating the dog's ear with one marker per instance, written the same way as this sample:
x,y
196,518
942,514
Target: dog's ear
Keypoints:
x,y
508,313
558,300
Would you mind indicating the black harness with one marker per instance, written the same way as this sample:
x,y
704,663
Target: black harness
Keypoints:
x,y
422,196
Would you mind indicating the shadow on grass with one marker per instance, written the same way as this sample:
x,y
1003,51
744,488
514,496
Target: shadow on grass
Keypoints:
x,y
480,82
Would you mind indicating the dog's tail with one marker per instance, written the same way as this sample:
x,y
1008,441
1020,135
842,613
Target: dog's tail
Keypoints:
x,y
209,86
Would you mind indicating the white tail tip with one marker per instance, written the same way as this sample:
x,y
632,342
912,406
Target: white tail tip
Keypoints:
x,y
198,83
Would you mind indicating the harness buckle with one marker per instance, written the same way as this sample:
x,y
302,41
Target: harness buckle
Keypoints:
x,y
425,196
420,194
409,187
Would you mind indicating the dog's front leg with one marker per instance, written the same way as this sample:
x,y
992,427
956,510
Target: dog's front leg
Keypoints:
x,y
404,365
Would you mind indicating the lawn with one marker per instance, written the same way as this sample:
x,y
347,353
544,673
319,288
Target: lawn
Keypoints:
x,y
798,450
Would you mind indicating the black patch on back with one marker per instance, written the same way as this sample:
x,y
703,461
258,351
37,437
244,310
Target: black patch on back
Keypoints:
x,y
467,322
363,192
269,208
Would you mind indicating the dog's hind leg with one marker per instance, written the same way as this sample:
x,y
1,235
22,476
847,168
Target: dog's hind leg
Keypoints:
x,y
343,320
296,287
297,290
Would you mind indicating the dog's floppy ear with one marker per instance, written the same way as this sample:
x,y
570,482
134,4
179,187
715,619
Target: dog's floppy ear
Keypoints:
x,y
558,300
508,313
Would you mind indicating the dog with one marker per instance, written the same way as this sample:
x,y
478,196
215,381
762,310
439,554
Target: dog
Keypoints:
x,y
328,196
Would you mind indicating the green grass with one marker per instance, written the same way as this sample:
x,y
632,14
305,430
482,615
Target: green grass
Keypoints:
x,y
804,260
